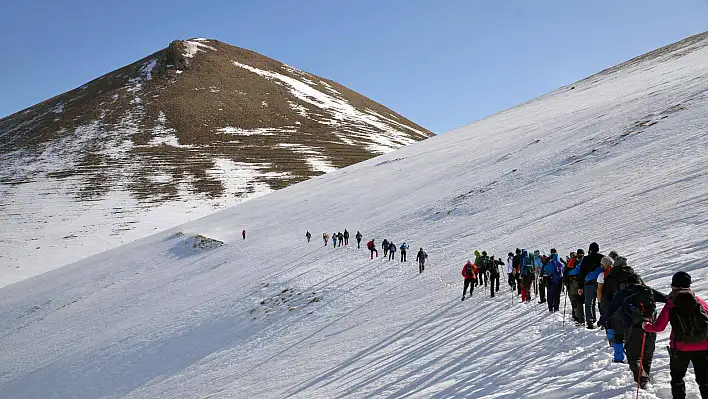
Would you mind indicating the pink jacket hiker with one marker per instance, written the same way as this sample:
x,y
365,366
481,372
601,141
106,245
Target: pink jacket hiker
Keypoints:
x,y
663,320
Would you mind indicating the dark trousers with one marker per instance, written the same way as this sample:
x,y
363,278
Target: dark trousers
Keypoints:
x,y
391,255
468,282
346,240
493,283
679,365
633,348
421,266
373,250
554,295
512,281
579,302
358,243
518,284
403,256
542,289
481,278
385,249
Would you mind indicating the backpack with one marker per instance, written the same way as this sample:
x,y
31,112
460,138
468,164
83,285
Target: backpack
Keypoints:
x,y
369,244
640,306
469,270
557,274
689,321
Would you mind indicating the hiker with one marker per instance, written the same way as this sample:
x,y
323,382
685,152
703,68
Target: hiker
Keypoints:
x,y
358,239
538,263
334,240
372,248
469,273
422,256
308,236
483,266
637,304
606,262
391,250
577,299
553,275
385,245
569,265
325,238
527,276
346,237
243,233
688,342
615,281
510,271
589,270
517,270
494,274
340,238
404,249
480,272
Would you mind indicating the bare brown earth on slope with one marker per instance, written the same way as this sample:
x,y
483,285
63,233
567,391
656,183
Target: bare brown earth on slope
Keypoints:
x,y
112,132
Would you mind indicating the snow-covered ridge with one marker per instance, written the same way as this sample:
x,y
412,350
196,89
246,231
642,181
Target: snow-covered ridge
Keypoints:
x,y
621,162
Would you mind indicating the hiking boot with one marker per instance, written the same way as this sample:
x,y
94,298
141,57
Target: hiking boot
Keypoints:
x,y
590,326
463,298
643,381
617,361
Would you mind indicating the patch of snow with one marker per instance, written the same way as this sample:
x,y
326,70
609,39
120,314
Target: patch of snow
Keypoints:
x,y
253,132
192,47
58,109
314,158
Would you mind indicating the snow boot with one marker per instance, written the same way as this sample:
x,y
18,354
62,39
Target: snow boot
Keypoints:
x,y
463,298
619,352
643,381
590,326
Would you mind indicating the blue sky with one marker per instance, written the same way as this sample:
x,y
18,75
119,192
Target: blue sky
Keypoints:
x,y
442,64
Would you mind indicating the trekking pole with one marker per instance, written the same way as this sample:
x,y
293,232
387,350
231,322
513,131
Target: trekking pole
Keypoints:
x,y
565,303
641,362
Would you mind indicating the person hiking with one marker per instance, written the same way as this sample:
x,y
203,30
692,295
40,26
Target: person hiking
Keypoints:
x,y
469,273
420,258
589,270
346,237
478,263
577,298
615,281
569,265
527,276
510,270
334,240
637,304
688,342
340,238
243,234
308,236
517,270
385,246
483,266
494,274
404,250
553,274
391,250
358,239
540,279
325,238
372,248
606,263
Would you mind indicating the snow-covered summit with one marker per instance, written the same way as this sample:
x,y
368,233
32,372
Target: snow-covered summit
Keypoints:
x,y
191,129
198,311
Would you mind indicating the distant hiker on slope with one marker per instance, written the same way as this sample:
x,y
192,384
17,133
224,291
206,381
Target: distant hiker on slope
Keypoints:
x,y
638,305
517,270
385,246
243,234
480,271
483,267
404,250
510,271
527,276
494,274
539,279
372,248
688,342
391,250
340,238
325,238
358,240
615,280
576,287
469,273
589,270
334,240
346,237
553,272
422,256
308,236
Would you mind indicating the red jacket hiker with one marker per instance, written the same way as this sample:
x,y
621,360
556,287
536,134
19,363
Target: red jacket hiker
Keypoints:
x,y
663,320
474,270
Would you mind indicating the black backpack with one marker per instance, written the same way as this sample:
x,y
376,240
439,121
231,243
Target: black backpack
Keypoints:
x,y
689,321
469,270
640,306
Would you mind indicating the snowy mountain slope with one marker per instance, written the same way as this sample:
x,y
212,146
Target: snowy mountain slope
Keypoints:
x,y
619,159
186,131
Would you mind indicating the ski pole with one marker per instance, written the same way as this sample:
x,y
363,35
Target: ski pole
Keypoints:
x,y
641,362
565,303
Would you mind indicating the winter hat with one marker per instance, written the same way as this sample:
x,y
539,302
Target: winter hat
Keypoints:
x,y
518,251
553,251
606,261
681,280
613,255
510,254
620,261
594,248
476,252
484,253
580,251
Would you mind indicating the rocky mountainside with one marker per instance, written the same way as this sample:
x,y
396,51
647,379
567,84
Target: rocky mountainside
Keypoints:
x,y
192,128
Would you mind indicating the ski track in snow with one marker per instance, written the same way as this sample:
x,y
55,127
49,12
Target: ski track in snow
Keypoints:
x,y
614,160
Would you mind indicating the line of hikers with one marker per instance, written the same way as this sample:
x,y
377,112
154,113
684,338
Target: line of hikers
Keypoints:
x,y
627,306
388,246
